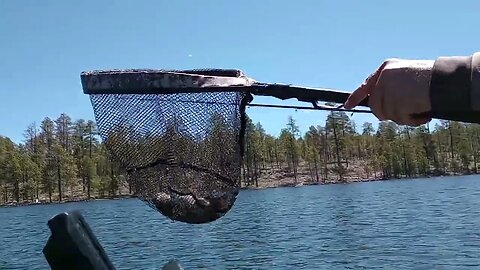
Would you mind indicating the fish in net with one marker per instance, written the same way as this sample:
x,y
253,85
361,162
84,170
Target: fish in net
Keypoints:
x,y
179,134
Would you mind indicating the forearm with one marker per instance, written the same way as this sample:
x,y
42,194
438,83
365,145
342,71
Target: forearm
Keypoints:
x,y
455,84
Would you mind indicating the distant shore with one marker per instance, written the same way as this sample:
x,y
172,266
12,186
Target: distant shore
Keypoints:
x,y
262,185
350,180
313,183
43,202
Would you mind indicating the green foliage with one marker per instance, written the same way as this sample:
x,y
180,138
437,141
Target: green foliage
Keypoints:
x,y
62,159
391,151
54,163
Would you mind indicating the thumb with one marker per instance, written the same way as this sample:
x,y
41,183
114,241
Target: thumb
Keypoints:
x,y
365,89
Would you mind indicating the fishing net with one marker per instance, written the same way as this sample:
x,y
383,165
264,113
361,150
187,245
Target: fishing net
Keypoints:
x,y
180,134
182,151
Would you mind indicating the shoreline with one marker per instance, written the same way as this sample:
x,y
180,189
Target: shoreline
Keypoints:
x,y
14,204
260,187
292,184
348,181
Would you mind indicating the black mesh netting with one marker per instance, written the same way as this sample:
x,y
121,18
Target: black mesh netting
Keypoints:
x,y
182,151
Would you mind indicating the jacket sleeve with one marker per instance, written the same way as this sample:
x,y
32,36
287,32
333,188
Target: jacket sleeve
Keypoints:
x,y
455,87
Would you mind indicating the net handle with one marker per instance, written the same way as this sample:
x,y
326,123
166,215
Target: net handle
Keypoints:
x,y
138,81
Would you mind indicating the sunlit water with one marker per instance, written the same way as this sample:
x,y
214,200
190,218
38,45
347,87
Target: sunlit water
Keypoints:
x,y
401,224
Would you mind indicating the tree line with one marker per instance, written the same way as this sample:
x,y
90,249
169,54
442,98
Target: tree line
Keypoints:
x,y
62,159
57,160
339,149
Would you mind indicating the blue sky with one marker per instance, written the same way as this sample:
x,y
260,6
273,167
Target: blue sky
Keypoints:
x,y
44,45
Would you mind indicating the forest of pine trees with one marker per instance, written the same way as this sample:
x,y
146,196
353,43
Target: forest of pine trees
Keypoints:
x,y
340,151
63,159
58,160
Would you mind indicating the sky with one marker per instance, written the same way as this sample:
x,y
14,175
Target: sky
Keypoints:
x,y
44,45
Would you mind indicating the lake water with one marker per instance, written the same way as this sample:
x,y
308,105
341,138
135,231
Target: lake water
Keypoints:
x,y
401,224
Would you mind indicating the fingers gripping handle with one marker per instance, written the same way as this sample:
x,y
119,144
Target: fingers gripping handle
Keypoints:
x,y
364,102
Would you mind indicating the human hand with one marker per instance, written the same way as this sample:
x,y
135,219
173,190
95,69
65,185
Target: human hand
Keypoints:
x,y
398,90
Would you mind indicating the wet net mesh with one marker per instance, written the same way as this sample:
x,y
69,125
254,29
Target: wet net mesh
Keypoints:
x,y
182,151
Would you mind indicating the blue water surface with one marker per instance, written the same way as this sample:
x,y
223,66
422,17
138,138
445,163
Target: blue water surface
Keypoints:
x,y
398,224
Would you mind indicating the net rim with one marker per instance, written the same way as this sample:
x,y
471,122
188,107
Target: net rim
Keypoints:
x,y
152,81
